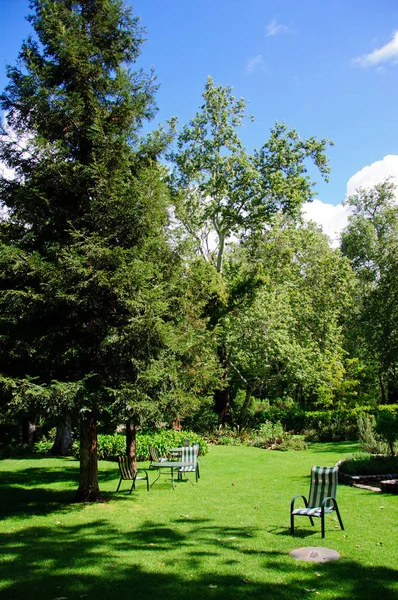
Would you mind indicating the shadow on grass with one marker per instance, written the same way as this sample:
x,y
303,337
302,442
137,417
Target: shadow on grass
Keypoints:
x,y
98,561
342,447
27,492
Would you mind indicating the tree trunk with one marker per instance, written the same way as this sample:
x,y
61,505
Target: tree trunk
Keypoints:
x,y
63,440
383,390
88,488
28,431
222,399
391,444
131,443
245,407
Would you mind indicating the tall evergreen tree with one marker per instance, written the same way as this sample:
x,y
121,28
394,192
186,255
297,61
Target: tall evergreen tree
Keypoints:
x,y
82,290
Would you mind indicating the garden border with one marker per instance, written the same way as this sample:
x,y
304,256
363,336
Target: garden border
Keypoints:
x,y
386,483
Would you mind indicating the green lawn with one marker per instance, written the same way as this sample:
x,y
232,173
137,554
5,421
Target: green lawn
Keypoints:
x,y
225,537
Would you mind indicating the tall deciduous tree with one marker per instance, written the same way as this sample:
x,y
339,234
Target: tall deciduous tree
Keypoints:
x,y
370,241
82,287
222,192
289,342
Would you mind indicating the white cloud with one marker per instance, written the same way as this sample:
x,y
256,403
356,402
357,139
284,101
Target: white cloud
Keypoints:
x,y
385,54
275,28
332,218
374,173
255,64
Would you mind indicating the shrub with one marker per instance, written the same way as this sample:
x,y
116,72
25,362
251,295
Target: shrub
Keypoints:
x,y
366,464
293,442
367,437
42,447
387,425
268,435
110,446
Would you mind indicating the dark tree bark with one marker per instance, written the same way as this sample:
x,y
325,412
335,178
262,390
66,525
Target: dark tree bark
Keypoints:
x,y
63,440
28,431
131,443
222,397
88,487
246,406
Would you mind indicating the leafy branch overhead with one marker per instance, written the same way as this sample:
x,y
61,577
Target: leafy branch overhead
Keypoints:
x,y
220,189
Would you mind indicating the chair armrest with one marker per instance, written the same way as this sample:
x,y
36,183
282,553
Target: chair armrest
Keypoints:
x,y
324,501
142,469
294,500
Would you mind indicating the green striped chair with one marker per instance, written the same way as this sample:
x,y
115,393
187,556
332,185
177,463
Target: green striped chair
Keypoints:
x,y
322,498
154,455
128,473
189,456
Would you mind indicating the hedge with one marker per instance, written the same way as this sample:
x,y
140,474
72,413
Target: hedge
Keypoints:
x,y
110,446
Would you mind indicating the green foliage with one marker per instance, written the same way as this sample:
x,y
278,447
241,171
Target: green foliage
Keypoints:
x,y
110,446
371,243
363,464
293,442
369,441
288,342
387,425
218,186
269,435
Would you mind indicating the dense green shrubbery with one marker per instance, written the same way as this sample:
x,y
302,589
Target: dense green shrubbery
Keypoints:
x,y
368,439
110,446
387,425
273,435
320,425
366,464
269,434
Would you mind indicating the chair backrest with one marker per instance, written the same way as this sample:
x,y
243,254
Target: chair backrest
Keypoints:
x,y
189,455
196,445
125,468
153,453
323,485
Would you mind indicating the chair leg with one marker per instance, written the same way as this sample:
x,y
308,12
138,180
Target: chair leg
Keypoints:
x,y
120,481
292,523
338,515
147,482
133,485
323,523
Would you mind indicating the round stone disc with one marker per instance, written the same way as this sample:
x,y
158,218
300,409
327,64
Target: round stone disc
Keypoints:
x,y
314,554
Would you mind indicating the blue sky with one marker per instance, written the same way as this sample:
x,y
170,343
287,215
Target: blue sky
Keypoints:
x,y
327,68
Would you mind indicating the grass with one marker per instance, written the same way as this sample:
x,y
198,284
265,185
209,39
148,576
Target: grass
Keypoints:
x,y
225,537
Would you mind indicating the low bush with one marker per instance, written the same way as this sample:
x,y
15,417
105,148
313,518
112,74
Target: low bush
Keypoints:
x,y
367,464
369,441
387,425
293,442
110,446
318,426
269,435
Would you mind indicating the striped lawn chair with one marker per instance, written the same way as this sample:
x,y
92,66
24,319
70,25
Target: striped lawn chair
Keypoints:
x,y
128,473
154,455
322,498
189,456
